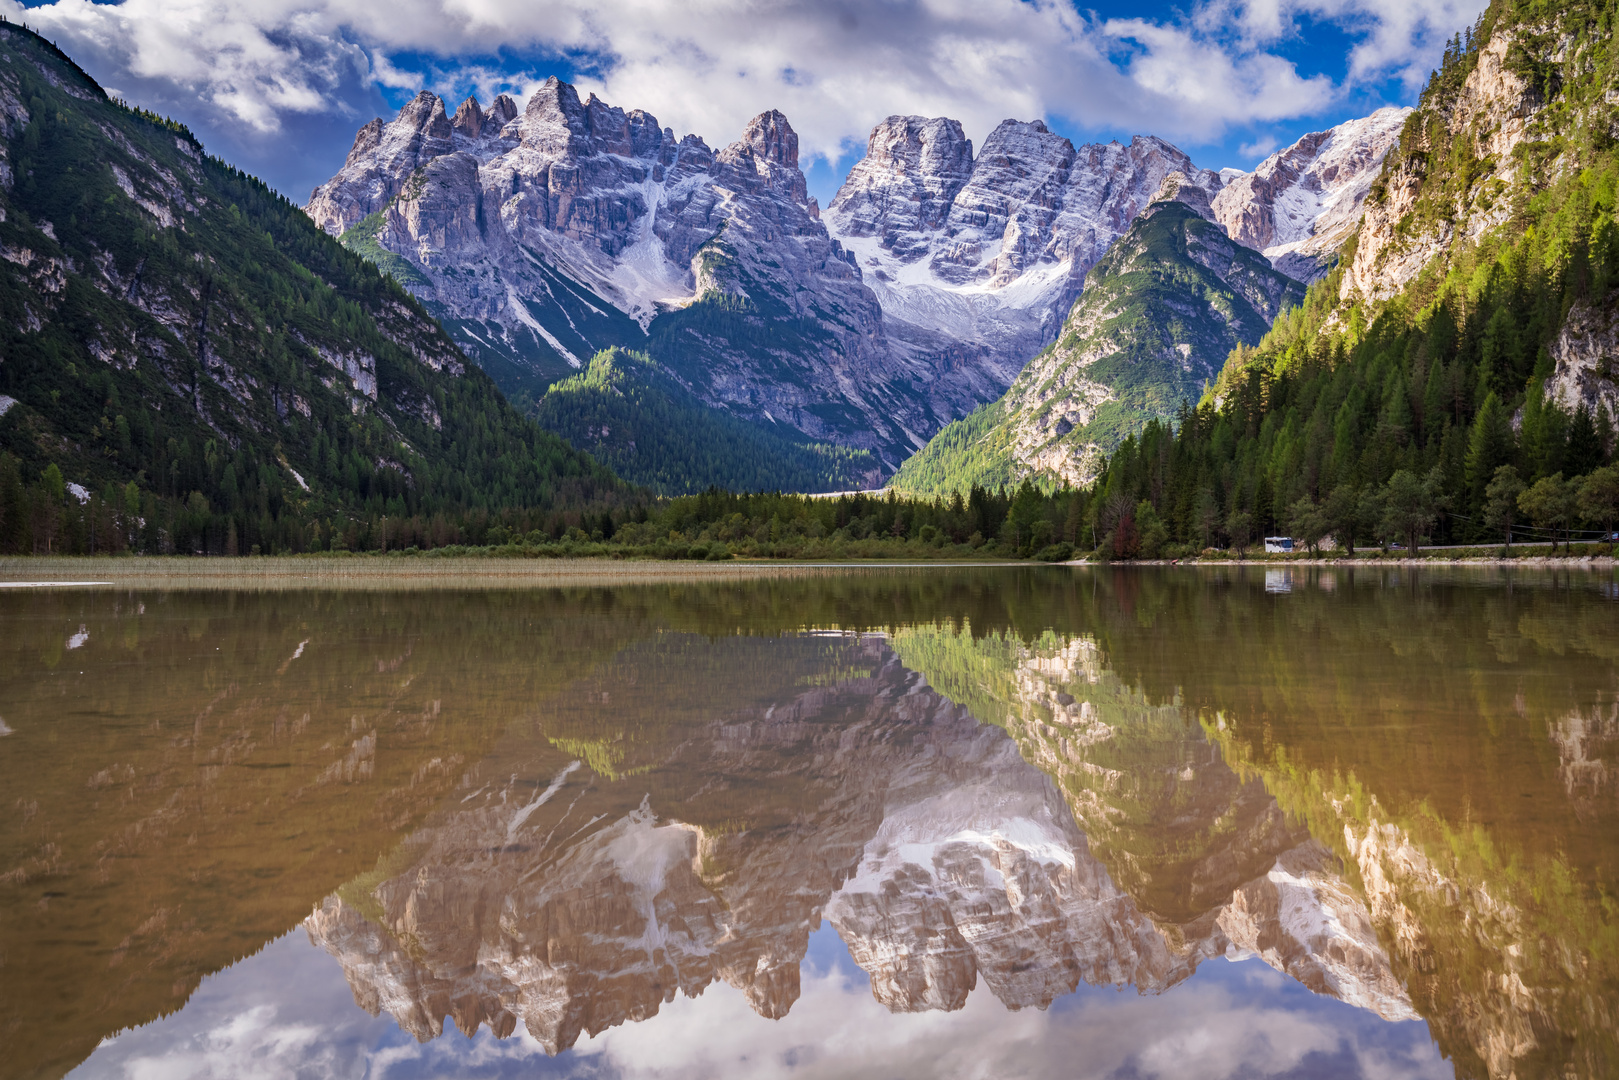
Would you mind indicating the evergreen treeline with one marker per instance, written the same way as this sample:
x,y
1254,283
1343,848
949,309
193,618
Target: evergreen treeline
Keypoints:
x,y
976,450
45,516
1006,524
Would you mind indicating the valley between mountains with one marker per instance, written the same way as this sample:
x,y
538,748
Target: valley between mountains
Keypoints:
x,y
532,325
834,344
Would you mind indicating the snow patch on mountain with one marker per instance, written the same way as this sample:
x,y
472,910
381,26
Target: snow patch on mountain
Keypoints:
x,y
1301,203
985,254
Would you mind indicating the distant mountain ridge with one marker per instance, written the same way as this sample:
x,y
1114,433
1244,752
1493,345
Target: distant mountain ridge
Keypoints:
x,y
920,294
1300,204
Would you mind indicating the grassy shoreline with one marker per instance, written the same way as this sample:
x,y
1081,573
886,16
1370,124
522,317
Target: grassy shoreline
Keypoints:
x,y
477,569
362,571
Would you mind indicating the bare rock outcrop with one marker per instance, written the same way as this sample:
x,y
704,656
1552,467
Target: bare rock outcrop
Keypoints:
x,y
1300,204
1496,109
1586,353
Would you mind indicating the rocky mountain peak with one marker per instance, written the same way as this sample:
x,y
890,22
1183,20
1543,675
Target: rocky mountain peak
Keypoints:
x,y
1178,187
527,237
904,187
1030,140
769,149
469,119
366,141
503,110
554,120
935,149
425,112
383,155
1170,187
1300,204
772,138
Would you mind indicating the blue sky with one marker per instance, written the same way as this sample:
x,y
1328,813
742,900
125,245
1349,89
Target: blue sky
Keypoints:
x,y
280,86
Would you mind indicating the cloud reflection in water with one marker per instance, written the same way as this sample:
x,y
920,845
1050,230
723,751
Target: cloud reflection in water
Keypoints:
x,y
287,1011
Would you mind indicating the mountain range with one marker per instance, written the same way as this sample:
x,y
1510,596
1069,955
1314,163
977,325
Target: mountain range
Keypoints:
x,y
957,315
543,236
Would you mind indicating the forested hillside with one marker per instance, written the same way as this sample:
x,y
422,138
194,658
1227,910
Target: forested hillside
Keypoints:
x,y
632,416
188,364
1160,312
1454,377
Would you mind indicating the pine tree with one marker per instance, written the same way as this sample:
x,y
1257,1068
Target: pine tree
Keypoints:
x,y
1489,446
1501,500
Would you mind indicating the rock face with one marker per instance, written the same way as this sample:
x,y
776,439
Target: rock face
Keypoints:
x,y
1160,313
1302,203
573,902
1585,353
979,259
383,157
937,273
1497,108
544,237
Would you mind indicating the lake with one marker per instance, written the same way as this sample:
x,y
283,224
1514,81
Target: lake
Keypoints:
x,y
975,822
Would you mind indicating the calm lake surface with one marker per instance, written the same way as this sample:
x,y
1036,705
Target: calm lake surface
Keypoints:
x,y
903,823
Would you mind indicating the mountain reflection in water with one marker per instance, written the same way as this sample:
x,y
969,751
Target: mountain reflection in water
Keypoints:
x,y
551,814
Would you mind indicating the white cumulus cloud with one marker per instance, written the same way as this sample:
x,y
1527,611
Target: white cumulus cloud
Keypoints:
x,y
705,66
